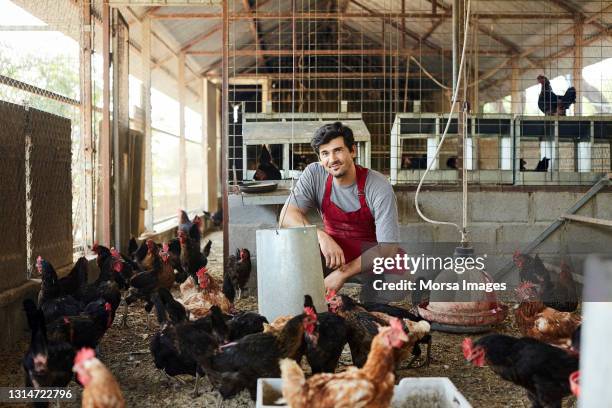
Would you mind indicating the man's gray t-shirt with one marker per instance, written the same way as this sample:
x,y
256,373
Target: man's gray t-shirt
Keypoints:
x,y
380,198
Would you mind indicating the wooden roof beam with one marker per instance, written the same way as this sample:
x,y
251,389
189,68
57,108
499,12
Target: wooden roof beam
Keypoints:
x,y
577,12
261,60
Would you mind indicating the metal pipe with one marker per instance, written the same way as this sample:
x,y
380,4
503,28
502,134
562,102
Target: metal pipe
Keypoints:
x,y
455,40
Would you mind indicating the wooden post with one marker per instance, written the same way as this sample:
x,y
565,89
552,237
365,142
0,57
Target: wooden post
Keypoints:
x,y
145,63
182,141
86,128
516,106
105,134
209,144
224,130
577,73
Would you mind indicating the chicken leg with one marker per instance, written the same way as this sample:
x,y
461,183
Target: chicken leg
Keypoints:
x,y
195,393
125,313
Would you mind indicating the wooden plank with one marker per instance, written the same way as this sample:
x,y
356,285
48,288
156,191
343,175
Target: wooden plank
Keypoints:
x,y
86,121
182,141
587,220
146,106
105,136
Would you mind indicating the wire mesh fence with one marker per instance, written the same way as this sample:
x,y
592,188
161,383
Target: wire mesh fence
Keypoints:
x,y
530,60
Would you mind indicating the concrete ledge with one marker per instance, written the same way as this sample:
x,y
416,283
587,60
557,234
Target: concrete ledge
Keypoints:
x,y
9,296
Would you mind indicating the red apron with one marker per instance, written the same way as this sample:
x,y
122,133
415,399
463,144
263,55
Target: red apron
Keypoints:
x,y
354,231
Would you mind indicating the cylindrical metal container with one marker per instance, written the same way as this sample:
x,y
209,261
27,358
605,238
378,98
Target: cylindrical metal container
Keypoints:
x,y
288,267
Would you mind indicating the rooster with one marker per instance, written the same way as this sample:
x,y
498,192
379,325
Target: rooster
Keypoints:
x,y
371,386
551,104
543,323
541,369
100,388
238,270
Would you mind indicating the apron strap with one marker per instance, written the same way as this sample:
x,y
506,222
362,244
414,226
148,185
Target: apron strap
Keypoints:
x,y
362,176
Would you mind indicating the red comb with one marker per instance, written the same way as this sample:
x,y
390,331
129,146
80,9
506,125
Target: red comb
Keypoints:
x,y
83,355
310,311
108,307
466,346
396,324
202,272
330,294
95,246
114,253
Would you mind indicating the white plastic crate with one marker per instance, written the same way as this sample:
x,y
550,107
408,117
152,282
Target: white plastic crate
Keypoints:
x,y
425,392
428,392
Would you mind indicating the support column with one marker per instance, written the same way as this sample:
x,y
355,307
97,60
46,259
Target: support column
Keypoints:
x,y
86,128
578,61
105,134
516,105
209,145
475,97
224,129
145,63
182,141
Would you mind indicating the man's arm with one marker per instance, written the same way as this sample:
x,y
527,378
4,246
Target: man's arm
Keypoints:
x,y
293,214
335,280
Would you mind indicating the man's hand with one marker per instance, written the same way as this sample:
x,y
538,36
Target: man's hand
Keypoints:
x,y
334,255
334,281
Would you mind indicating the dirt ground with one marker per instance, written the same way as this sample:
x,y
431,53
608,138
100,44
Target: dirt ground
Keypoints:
x,y
126,353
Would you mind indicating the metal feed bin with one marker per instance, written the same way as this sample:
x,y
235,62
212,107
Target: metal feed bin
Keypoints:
x,y
288,267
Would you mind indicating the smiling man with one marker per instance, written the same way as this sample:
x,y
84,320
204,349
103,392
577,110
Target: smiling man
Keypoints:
x,y
358,205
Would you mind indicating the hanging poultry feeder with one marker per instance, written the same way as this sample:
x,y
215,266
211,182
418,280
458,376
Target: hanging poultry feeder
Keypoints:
x,y
463,311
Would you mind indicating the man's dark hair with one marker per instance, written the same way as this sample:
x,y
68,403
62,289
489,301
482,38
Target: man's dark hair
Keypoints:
x,y
331,131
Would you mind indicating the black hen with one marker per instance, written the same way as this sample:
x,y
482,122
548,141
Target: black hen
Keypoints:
x,y
238,269
552,104
244,323
240,364
46,363
53,287
543,370
324,347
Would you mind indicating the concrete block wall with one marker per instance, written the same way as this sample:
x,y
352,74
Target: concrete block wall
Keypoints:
x,y
504,221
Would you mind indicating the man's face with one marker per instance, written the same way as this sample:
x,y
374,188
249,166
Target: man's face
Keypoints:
x,y
336,157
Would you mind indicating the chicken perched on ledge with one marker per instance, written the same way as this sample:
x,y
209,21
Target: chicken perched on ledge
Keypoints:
x,y
551,103
370,386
